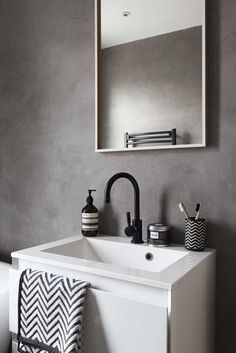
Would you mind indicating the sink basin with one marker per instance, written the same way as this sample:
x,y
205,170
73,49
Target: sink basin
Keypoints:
x,y
106,250
115,257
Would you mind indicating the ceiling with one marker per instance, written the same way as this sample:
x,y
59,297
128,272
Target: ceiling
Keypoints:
x,y
148,18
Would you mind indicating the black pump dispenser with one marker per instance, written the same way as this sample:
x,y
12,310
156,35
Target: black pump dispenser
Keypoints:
x,y
90,198
89,222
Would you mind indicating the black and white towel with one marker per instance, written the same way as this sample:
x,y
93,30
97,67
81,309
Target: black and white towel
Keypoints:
x,y
50,313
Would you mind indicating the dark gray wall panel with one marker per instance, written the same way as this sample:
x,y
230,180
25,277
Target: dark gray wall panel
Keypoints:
x,y
47,158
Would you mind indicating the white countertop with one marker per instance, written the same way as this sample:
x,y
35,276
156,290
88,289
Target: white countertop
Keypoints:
x,y
163,279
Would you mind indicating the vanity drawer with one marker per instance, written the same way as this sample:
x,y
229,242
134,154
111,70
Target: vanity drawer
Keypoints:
x,y
112,323
115,324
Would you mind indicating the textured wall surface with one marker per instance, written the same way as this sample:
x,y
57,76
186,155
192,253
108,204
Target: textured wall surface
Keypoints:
x,y
153,84
47,158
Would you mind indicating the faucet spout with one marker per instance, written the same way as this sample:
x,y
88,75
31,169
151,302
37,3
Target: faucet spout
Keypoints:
x,y
135,229
136,191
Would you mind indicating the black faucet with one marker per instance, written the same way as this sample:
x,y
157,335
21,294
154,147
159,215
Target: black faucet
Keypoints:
x,y
134,230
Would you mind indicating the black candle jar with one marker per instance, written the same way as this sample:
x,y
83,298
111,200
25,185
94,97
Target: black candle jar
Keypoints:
x,y
158,234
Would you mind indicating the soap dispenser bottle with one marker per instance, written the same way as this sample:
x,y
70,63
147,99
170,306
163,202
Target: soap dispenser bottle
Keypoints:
x,y
89,221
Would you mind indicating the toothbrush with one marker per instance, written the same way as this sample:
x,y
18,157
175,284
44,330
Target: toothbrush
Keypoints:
x,y
198,208
183,210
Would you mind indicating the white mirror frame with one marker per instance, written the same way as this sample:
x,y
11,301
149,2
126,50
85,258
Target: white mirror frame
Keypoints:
x,y
97,89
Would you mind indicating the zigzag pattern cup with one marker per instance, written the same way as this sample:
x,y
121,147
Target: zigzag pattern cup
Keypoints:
x,y
195,234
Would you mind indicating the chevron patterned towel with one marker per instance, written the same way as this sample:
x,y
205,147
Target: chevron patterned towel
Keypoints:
x,y
50,313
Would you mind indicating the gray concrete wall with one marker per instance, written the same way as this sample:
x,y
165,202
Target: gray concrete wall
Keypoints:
x,y
47,158
153,84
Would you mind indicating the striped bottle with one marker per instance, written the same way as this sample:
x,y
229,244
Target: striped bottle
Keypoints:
x,y
90,219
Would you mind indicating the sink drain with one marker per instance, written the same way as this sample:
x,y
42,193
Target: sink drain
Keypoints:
x,y
149,256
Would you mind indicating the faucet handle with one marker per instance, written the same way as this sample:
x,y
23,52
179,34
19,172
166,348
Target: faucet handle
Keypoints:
x,y
129,230
128,218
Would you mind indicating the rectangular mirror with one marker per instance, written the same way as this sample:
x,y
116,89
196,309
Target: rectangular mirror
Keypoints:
x,y
150,74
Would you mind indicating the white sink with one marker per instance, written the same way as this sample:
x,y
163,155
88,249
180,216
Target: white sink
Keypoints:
x,y
115,257
120,253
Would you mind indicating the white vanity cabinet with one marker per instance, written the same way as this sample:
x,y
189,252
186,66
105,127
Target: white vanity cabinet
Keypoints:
x,y
128,314
113,323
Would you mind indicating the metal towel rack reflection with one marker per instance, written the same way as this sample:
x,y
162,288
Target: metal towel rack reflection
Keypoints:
x,y
147,138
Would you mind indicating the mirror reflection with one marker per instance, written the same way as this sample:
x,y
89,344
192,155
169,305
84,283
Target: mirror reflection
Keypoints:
x,y
151,74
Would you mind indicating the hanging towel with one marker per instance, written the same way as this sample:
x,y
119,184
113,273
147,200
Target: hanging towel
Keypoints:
x,y
50,313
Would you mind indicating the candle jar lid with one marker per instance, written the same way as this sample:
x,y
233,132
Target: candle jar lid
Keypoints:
x,y
159,227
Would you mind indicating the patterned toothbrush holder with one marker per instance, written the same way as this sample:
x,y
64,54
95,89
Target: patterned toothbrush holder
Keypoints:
x,y
195,234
